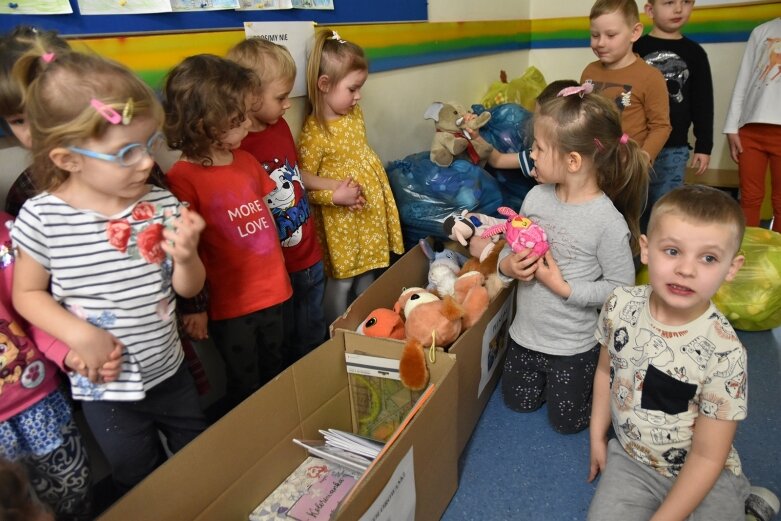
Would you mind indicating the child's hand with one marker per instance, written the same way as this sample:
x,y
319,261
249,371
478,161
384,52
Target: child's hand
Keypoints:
x,y
549,274
94,348
598,459
75,363
735,147
701,162
111,369
195,325
349,193
520,265
181,243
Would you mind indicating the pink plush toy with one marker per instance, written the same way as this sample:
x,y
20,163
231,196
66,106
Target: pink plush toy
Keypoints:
x,y
520,232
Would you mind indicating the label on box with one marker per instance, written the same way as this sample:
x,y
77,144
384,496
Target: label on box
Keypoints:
x,y
495,339
396,502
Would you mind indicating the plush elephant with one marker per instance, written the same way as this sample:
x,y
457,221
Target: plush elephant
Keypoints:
x,y
451,138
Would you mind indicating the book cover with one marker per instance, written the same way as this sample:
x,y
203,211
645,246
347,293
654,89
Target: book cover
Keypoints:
x,y
311,492
378,400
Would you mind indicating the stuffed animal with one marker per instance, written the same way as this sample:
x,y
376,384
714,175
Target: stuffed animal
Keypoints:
x,y
444,265
471,293
451,138
520,232
383,323
430,322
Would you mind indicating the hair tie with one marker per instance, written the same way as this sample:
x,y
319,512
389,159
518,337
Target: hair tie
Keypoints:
x,y
624,139
335,36
48,57
581,90
108,113
599,144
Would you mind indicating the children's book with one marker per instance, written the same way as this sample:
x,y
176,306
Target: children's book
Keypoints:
x,y
311,492
378,400
342,457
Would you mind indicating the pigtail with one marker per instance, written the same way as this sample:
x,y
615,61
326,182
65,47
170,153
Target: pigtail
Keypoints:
x,y
312,74
627,186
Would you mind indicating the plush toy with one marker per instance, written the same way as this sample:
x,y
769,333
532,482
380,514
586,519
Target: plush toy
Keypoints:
x,y
520,232
430,322
444,266
383,323
452,139
471,293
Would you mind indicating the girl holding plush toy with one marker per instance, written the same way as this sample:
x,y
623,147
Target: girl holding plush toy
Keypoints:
x,y
333,145
590,173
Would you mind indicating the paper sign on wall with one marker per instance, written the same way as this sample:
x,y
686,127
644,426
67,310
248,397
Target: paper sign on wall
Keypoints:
x,y
293,35
37,7
396,502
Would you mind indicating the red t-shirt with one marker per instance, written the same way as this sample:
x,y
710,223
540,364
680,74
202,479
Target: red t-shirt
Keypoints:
x,y
239,247
275,148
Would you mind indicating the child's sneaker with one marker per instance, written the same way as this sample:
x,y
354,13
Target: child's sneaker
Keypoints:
x,y
761,505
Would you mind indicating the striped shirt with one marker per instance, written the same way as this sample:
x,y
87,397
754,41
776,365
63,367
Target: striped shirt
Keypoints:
x,y
111,272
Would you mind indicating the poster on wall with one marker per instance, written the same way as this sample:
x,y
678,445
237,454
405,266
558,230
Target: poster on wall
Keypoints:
x,y
264,5
180,6
294,36
36,7
313,4
88,7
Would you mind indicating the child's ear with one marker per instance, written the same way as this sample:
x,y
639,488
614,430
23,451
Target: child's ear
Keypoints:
x,y
643,248
734,267
649,10
574,161
323,83
637,32
66,160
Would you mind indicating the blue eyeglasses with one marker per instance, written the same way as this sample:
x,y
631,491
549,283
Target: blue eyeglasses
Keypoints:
x,y
128,155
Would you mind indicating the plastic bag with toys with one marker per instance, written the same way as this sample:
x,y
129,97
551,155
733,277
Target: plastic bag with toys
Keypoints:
x,y
523,90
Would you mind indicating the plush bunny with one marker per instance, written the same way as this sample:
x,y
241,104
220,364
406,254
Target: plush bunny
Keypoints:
x,y
520,232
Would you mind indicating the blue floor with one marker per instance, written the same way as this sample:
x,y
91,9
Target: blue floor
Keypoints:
x,y
517,468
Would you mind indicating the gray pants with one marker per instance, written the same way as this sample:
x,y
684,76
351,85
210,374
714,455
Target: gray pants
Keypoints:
x,y
629,489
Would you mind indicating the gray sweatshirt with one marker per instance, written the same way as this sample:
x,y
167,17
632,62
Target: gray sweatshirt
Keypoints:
x,y
590,244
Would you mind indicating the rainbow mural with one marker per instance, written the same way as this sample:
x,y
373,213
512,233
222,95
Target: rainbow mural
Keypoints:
x,y
399,45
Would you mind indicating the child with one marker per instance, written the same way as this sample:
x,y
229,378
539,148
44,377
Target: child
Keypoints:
x,y
12,46
583,161
206,100
637,89
753,124
17,499
672,374
36,425
270,141
100,253
685,67
333,145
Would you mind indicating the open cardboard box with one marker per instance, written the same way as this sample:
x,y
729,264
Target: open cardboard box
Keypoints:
x,y
233,466
479,350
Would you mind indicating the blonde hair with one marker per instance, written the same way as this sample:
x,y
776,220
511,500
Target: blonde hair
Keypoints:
x,y
627,8
269,60
58,100
702,204
335,58
591,126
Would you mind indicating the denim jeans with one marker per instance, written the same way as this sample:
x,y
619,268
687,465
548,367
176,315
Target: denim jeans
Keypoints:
x,y
305,311
667,173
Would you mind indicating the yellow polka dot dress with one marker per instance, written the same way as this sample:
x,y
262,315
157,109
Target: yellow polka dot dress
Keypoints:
x,y
354,242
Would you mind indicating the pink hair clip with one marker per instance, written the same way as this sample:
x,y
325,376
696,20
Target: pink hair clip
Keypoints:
x,y
599,144
108,113
586,88
48,57
624,139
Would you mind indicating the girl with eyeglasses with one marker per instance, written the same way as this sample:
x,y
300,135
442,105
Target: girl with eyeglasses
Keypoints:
x,y
100,253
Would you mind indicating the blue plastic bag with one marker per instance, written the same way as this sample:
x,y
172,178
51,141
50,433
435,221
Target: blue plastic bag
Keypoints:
x,y
509,130
426,193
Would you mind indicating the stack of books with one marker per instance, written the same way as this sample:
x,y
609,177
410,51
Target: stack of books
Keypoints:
x,y
343,448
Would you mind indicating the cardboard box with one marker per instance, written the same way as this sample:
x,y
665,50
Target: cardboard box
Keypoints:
x,y
479,350
228,470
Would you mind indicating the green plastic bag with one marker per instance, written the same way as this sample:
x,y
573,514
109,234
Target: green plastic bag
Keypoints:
x,y
523,90
752,300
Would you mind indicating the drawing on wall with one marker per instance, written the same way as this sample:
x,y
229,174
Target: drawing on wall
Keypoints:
x,y
264,5
313,4
36,7
203,5
124,6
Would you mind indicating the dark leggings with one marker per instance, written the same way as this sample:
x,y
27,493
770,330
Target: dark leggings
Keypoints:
x,y
532,378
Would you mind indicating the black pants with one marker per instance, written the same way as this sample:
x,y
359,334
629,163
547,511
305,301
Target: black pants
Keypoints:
x,y
531,378
127,432
252,349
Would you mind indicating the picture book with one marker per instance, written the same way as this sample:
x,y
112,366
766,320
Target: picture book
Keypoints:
x,y
311,492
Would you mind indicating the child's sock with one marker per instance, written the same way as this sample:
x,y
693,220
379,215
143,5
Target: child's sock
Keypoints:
x,y
761,505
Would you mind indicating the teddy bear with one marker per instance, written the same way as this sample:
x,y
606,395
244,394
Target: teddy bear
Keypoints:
x,y
429,321
451,136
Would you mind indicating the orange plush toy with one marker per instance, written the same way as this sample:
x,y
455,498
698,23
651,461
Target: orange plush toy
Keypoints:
x,y
472,294
383,323
430,322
